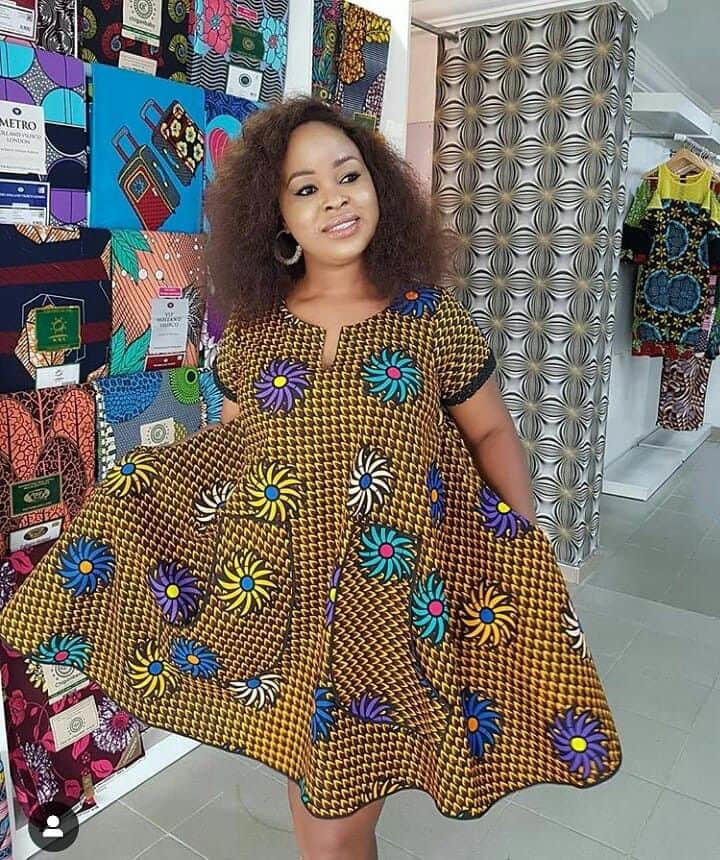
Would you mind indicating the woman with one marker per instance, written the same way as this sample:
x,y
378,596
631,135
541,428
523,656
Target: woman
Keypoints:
x,y
344,581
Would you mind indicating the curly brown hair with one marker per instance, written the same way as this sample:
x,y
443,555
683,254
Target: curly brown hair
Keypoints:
x,y
409,244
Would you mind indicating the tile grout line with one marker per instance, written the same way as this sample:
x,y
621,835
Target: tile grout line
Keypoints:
x,y
666,787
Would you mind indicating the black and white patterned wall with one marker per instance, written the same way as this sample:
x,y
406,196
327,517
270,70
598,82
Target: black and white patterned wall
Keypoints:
x,y
531,142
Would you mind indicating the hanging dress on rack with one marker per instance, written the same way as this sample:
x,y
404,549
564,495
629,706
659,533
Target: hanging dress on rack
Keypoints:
x,y
673,232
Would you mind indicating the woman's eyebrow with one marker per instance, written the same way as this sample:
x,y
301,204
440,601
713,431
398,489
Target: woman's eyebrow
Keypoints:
x,y
338,161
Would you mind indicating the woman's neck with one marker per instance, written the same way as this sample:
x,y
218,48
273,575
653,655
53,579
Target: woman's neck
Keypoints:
x,y
346,281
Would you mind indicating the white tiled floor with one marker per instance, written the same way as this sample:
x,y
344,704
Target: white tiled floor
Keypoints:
x,y
651,612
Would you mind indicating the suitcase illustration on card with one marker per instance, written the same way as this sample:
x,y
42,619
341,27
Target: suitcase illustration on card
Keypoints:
x,y
144,182
177,137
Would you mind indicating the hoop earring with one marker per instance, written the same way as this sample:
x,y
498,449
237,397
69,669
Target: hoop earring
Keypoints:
x,y
286,261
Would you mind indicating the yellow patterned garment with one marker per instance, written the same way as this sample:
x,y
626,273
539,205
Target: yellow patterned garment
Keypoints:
x,y
326,584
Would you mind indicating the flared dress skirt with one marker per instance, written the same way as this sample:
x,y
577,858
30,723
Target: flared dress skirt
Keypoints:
x,y
326,584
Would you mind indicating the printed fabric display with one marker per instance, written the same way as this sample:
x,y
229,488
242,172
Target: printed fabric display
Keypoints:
x,y
150,409
218,587
239,47
65,736
54,305
153,39
47,178
47,462
5,832
683,389
148,141
224,117
157,305
350,52
55,23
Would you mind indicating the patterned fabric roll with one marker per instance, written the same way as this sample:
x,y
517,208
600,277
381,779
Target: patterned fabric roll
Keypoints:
x,y
102,39
150,270
152,409
240,47
148,143
5,834
55,301
46,765
31,76
47,460
350,50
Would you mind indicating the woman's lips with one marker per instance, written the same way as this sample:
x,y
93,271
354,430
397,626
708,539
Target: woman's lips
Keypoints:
x,y
346,228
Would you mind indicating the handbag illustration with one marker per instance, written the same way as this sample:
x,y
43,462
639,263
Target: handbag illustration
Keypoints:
x,y
177,137
144,182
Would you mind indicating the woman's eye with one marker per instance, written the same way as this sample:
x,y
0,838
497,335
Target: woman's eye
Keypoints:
x,y
351,176
301,191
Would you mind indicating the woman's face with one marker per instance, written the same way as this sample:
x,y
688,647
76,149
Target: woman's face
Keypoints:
x,y
327,196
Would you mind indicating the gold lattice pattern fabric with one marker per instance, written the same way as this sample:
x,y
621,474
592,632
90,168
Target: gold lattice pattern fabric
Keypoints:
x,y
326,584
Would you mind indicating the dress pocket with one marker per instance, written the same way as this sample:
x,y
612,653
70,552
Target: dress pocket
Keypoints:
x,y
243,625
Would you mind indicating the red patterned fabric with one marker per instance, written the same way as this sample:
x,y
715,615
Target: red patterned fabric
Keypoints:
x,y
43,433
40,774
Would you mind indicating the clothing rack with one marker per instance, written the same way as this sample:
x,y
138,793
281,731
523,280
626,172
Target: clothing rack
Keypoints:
x,y
446,34
678,141
682,140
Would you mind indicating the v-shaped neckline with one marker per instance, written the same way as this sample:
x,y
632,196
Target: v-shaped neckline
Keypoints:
x,y
321,330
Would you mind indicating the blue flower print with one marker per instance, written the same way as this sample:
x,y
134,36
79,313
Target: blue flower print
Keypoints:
x,y
392,376
194,659
482,723
415,301
679,294
274,33
436,493
85,564
430,608
386,553
322,718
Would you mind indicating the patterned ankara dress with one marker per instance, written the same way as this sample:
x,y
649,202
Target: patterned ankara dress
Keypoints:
x,y
326,585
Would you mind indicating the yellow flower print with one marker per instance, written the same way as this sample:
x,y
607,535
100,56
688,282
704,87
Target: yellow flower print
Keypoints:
x,y
491,616
248,583
134,473
273,492
150,673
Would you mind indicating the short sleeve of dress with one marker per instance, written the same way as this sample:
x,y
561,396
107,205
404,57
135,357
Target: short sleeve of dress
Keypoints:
x,y
464,358
227,362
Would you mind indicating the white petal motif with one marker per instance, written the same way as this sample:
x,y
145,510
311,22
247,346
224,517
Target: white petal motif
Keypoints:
x,y
210,501
260,694
369,483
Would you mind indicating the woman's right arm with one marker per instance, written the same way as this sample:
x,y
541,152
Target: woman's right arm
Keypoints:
x,y
229,410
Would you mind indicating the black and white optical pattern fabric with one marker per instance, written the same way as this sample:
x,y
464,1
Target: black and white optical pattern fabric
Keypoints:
x,y
531,141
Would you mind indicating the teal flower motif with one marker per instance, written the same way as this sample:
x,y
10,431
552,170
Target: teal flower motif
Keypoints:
x,y
392,376
84,565
387,552
68,650
430,608
274,33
